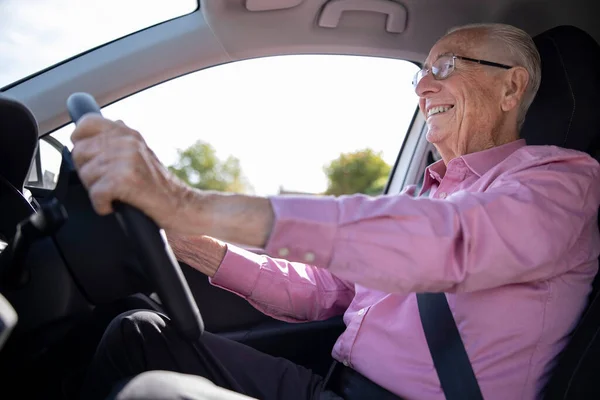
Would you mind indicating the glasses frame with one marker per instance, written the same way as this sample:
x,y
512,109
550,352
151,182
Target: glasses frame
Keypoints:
x,y
424,71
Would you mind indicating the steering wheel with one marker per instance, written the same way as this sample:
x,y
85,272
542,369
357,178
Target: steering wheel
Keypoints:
x,y
150,244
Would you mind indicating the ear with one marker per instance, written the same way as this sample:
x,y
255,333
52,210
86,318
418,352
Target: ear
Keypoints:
x,y
515,83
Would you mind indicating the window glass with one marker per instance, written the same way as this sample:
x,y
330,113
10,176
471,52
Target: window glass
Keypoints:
x,y
45,174
290,124
36,34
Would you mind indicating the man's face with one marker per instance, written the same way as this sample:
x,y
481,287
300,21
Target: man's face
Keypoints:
x,y
470,97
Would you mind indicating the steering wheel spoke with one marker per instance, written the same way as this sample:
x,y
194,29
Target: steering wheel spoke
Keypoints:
x,y
151,246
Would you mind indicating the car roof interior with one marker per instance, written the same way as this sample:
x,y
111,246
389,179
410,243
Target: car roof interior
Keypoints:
x,y
229,30
222,31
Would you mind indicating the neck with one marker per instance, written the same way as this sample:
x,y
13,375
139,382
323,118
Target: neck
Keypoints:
x,y
453,149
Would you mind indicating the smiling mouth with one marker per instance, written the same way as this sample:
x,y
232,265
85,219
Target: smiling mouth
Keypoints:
x,y
438,110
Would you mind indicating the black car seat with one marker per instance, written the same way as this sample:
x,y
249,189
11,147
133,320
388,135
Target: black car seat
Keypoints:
x,y
18,141
565,114
18,146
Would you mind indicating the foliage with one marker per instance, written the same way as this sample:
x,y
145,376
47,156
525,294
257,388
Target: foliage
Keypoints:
x,y
362,171
199,166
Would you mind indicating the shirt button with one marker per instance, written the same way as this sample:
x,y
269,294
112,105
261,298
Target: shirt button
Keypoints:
x,y
361,312
309,257
442,195
345,362
283,252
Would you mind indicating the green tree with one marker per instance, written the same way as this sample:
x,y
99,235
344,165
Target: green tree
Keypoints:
x,y
199,167
362,171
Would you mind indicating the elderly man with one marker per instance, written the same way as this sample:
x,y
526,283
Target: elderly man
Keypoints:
x,y
508,231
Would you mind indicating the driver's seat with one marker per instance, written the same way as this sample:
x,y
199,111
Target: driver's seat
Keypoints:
x,y
565,114
18,145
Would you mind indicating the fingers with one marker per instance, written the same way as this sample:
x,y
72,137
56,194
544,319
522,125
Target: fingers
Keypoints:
x,y
111,172
107,189
101,163
114,163
107,155
90,125
98,129
104,147
102,195
94,135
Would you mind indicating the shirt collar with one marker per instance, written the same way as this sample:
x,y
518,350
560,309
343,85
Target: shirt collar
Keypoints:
x,y
433,174
479,162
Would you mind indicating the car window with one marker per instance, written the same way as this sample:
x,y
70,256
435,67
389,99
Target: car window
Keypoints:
x,y
308,124
46,166
36,34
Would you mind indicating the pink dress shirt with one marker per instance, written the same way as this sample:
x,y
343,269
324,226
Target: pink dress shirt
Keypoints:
x,y
509,234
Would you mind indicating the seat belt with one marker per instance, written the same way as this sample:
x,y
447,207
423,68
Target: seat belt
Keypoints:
x,y
447,348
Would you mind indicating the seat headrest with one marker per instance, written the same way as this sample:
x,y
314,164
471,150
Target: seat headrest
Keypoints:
x,y
18,141
564,112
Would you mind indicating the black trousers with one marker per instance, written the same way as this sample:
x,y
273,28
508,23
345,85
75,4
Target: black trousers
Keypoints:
x,y
140,341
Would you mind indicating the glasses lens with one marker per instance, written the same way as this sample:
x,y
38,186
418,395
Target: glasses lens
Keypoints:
x,y
418,76
416,79
440,69
443,67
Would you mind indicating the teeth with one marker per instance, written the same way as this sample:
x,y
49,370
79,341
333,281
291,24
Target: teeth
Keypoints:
x,y
437,110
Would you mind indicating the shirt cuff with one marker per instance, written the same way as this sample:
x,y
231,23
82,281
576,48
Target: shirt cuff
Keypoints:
x,y
239,271
305,229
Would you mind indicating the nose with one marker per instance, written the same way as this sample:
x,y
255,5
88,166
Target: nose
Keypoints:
x,y
427,85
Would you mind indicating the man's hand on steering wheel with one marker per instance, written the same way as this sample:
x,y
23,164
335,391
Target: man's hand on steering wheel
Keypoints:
x,y
115,163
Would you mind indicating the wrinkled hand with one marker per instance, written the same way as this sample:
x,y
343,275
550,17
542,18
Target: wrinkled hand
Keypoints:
x,y
115,163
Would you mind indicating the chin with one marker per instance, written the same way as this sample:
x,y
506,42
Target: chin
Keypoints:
x,y
435,135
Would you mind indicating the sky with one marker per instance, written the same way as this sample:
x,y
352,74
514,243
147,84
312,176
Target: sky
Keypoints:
x,y
283,117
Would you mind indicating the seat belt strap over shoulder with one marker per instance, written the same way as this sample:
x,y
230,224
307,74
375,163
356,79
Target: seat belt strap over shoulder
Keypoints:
x,y
447,349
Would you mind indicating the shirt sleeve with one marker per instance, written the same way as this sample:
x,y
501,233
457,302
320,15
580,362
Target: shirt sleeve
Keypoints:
x,y
289,291
532,225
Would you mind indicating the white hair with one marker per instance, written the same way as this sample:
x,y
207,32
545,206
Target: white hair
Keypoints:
x,y
522,51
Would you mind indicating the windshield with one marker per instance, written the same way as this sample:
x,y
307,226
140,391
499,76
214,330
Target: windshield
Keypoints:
x,y
36,34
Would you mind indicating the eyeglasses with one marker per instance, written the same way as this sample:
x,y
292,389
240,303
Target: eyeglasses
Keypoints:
x,y
444,66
